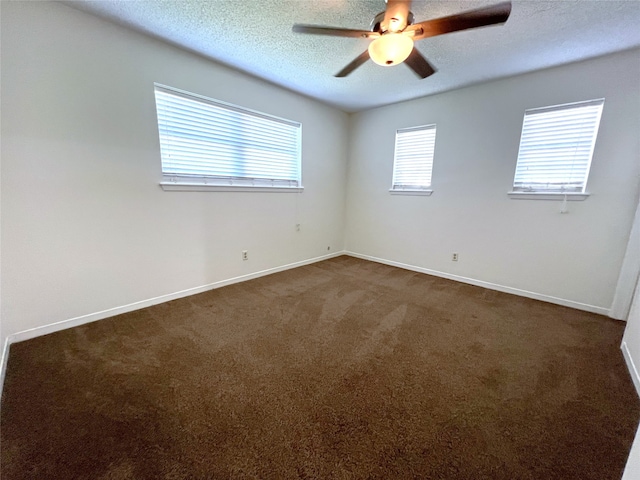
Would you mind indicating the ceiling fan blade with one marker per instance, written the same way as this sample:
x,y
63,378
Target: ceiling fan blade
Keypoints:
x,y
333,31
481,17
396,15
359,60
419,64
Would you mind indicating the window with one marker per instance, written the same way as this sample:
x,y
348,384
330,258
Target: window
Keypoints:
x,y
209,145
413,160
556,147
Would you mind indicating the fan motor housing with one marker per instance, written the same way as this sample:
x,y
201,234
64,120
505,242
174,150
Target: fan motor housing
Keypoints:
x,y
376,23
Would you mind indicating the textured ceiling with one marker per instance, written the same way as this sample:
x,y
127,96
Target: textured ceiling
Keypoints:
x,y
255,36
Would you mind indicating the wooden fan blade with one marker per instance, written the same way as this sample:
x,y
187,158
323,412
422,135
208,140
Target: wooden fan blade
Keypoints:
x,y
481,17
333,31
359,60
419,64
396,15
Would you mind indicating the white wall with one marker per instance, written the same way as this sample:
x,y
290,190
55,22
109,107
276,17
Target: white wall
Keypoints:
x,y
85,226
631,338
629,272
571,258
632,469
631,348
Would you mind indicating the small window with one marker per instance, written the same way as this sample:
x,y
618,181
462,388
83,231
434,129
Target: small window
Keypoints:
x,y
207,144
413,160
556,148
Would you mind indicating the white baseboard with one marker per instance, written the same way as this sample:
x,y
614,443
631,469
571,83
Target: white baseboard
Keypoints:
x,y
3,363
633,371
92,317
491,286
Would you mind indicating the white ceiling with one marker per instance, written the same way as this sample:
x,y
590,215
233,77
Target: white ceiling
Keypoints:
x,y
255,36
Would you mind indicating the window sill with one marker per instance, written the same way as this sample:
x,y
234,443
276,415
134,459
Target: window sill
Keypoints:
x,y
410,192
204,187
571,197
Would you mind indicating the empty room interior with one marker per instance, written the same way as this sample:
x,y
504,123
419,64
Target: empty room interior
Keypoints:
x,y
222,256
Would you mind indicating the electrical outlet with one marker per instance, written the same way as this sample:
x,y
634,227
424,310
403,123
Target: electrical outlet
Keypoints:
x,y
297,227
454,257
328,248
245,255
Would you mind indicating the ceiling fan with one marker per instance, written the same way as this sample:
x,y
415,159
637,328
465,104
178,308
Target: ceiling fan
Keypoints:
x,y
393,33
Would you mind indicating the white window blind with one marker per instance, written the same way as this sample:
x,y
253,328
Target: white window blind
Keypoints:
x,y
210,142
413,160
556,147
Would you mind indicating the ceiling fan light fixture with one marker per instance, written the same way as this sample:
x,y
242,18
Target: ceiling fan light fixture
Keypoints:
x,y
390,49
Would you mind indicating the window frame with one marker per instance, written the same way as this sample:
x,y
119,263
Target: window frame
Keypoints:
x,y
172,181
397,188
574,194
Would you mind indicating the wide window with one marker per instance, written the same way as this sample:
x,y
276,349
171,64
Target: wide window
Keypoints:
x,y
413,160
556,148
207,144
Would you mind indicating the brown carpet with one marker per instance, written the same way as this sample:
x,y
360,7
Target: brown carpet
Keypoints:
x,y
338,370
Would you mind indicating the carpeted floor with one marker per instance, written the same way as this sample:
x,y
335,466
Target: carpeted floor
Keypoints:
x,y
338,370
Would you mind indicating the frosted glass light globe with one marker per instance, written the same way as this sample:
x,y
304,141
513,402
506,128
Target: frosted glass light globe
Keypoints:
x,y
390,49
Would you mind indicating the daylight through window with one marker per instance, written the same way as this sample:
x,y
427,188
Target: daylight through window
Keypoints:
x,y
207,142
556,148
413,160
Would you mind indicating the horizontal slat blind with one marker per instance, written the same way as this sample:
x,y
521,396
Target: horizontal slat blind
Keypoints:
x,y
413,161
224,144
556,147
